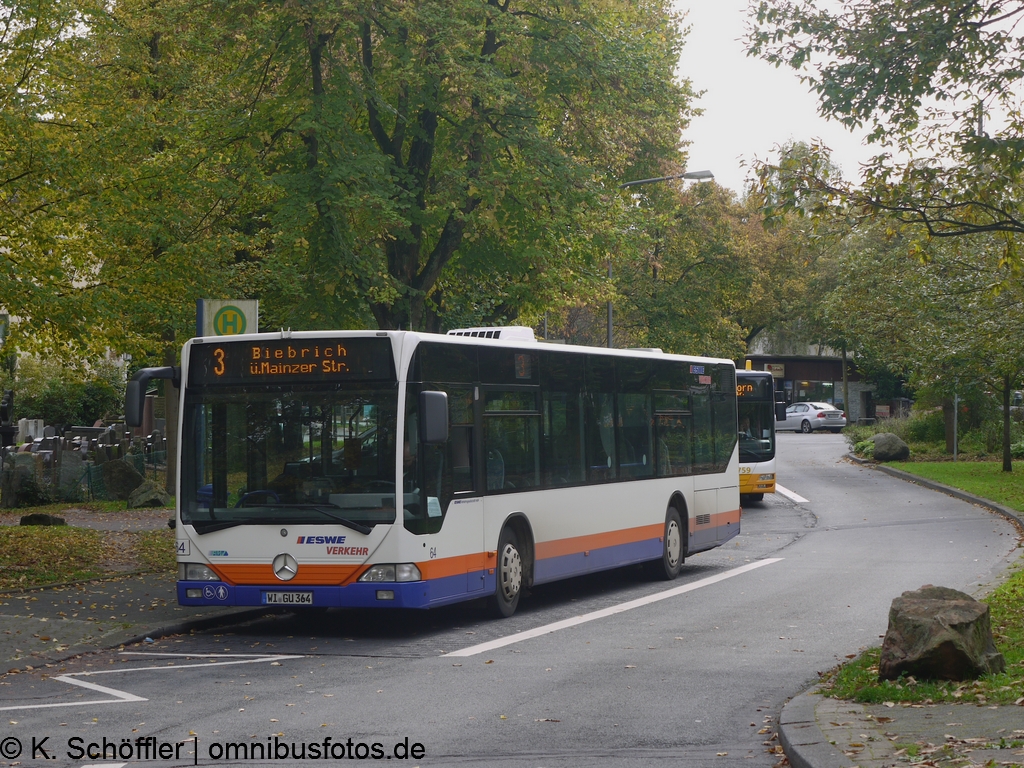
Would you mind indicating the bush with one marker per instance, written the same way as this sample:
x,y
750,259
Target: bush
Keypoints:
x,y
60,394
865,448
928,427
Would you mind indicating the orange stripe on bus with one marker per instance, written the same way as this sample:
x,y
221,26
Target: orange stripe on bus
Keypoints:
x,y
250,573
459,565
576,544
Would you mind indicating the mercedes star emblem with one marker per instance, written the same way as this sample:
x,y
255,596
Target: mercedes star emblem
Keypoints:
x,y
285,567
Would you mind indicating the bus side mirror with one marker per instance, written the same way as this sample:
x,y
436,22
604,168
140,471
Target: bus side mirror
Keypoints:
x,y
433,418
135,392
780,411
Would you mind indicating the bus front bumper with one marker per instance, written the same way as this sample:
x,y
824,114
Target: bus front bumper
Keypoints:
x,y
413,594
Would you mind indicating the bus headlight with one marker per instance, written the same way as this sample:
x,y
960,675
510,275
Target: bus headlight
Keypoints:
x,y
196,572
769,476
393,572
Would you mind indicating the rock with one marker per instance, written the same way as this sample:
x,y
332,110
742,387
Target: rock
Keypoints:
x,y
38,518
888,447
149,494
937,633
120,478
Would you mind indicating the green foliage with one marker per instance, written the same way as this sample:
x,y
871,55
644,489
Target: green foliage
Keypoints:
x,y
923,77
865,448
348,164
928,427
65,394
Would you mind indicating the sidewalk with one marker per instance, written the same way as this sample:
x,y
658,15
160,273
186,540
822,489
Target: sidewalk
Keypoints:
x,y
819,732
50,624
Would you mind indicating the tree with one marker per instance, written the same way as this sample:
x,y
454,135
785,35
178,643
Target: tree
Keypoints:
x,y
350,164
942,317
935,82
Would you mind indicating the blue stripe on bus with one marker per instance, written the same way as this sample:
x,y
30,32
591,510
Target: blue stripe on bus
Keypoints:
x,y
577,563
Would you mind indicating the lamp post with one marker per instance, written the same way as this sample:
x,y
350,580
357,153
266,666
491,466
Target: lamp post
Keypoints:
x,y
689,175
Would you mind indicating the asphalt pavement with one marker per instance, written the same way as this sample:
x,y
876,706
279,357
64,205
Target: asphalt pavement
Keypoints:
x,y
45,626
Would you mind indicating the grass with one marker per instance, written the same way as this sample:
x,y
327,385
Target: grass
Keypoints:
x,y
154,550
35,555
982,478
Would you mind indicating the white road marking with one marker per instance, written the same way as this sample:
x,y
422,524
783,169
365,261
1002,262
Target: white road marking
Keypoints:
x,y
529,634
792,496
119,697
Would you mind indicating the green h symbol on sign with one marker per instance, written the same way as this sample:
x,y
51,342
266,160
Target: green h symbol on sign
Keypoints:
x,y
229,321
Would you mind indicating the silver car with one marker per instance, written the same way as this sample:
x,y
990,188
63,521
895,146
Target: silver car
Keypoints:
x,y
807,417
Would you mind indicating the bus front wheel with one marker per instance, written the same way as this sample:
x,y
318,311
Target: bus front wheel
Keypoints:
x,y
672,552
509,572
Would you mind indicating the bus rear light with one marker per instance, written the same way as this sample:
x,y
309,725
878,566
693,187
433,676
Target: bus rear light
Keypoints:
x,y
392,572
196,572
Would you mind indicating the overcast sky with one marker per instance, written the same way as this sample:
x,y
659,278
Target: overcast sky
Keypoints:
x,y
750,107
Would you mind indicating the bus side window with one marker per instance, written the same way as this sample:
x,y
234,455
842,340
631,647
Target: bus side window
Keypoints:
x,y
511,439
601,462
563,439
674,443
703,434
636,457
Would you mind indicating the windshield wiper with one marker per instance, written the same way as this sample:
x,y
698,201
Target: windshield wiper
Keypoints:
x,y
220,525
358,527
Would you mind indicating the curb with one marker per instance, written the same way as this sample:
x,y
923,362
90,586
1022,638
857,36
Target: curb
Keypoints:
x,y
801,738
1012,515
206,622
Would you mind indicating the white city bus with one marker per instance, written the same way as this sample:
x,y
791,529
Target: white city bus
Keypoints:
x,y
401,469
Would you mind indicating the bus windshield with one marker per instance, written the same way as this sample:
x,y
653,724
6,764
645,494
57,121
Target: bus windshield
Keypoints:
x,y
290,454
757,430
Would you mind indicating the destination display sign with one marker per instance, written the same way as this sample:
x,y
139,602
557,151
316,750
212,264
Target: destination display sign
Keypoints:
x,y
759,388
291,360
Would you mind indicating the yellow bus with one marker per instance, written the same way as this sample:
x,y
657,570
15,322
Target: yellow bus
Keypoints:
x,y
757,412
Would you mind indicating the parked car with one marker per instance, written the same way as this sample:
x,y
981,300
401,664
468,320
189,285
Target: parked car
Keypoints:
x,y
807,417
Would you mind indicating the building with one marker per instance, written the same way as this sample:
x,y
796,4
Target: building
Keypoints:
x,y
815,373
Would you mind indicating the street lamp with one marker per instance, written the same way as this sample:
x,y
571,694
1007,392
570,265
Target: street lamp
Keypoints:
x,y
690,175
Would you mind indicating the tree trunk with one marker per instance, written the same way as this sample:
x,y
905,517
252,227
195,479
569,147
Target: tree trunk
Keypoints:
x,y
947,417
1007,459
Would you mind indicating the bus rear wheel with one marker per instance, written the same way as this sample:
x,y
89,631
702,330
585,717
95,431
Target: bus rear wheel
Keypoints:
x,y
509,572
672,553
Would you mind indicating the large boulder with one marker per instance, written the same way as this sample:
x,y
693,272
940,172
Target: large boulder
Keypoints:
x,y
888,447
937,633
149,494
120,478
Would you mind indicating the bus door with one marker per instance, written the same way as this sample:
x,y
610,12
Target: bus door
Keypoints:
x,y
441,495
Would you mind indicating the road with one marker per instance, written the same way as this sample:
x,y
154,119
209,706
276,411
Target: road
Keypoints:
x,y
686,673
